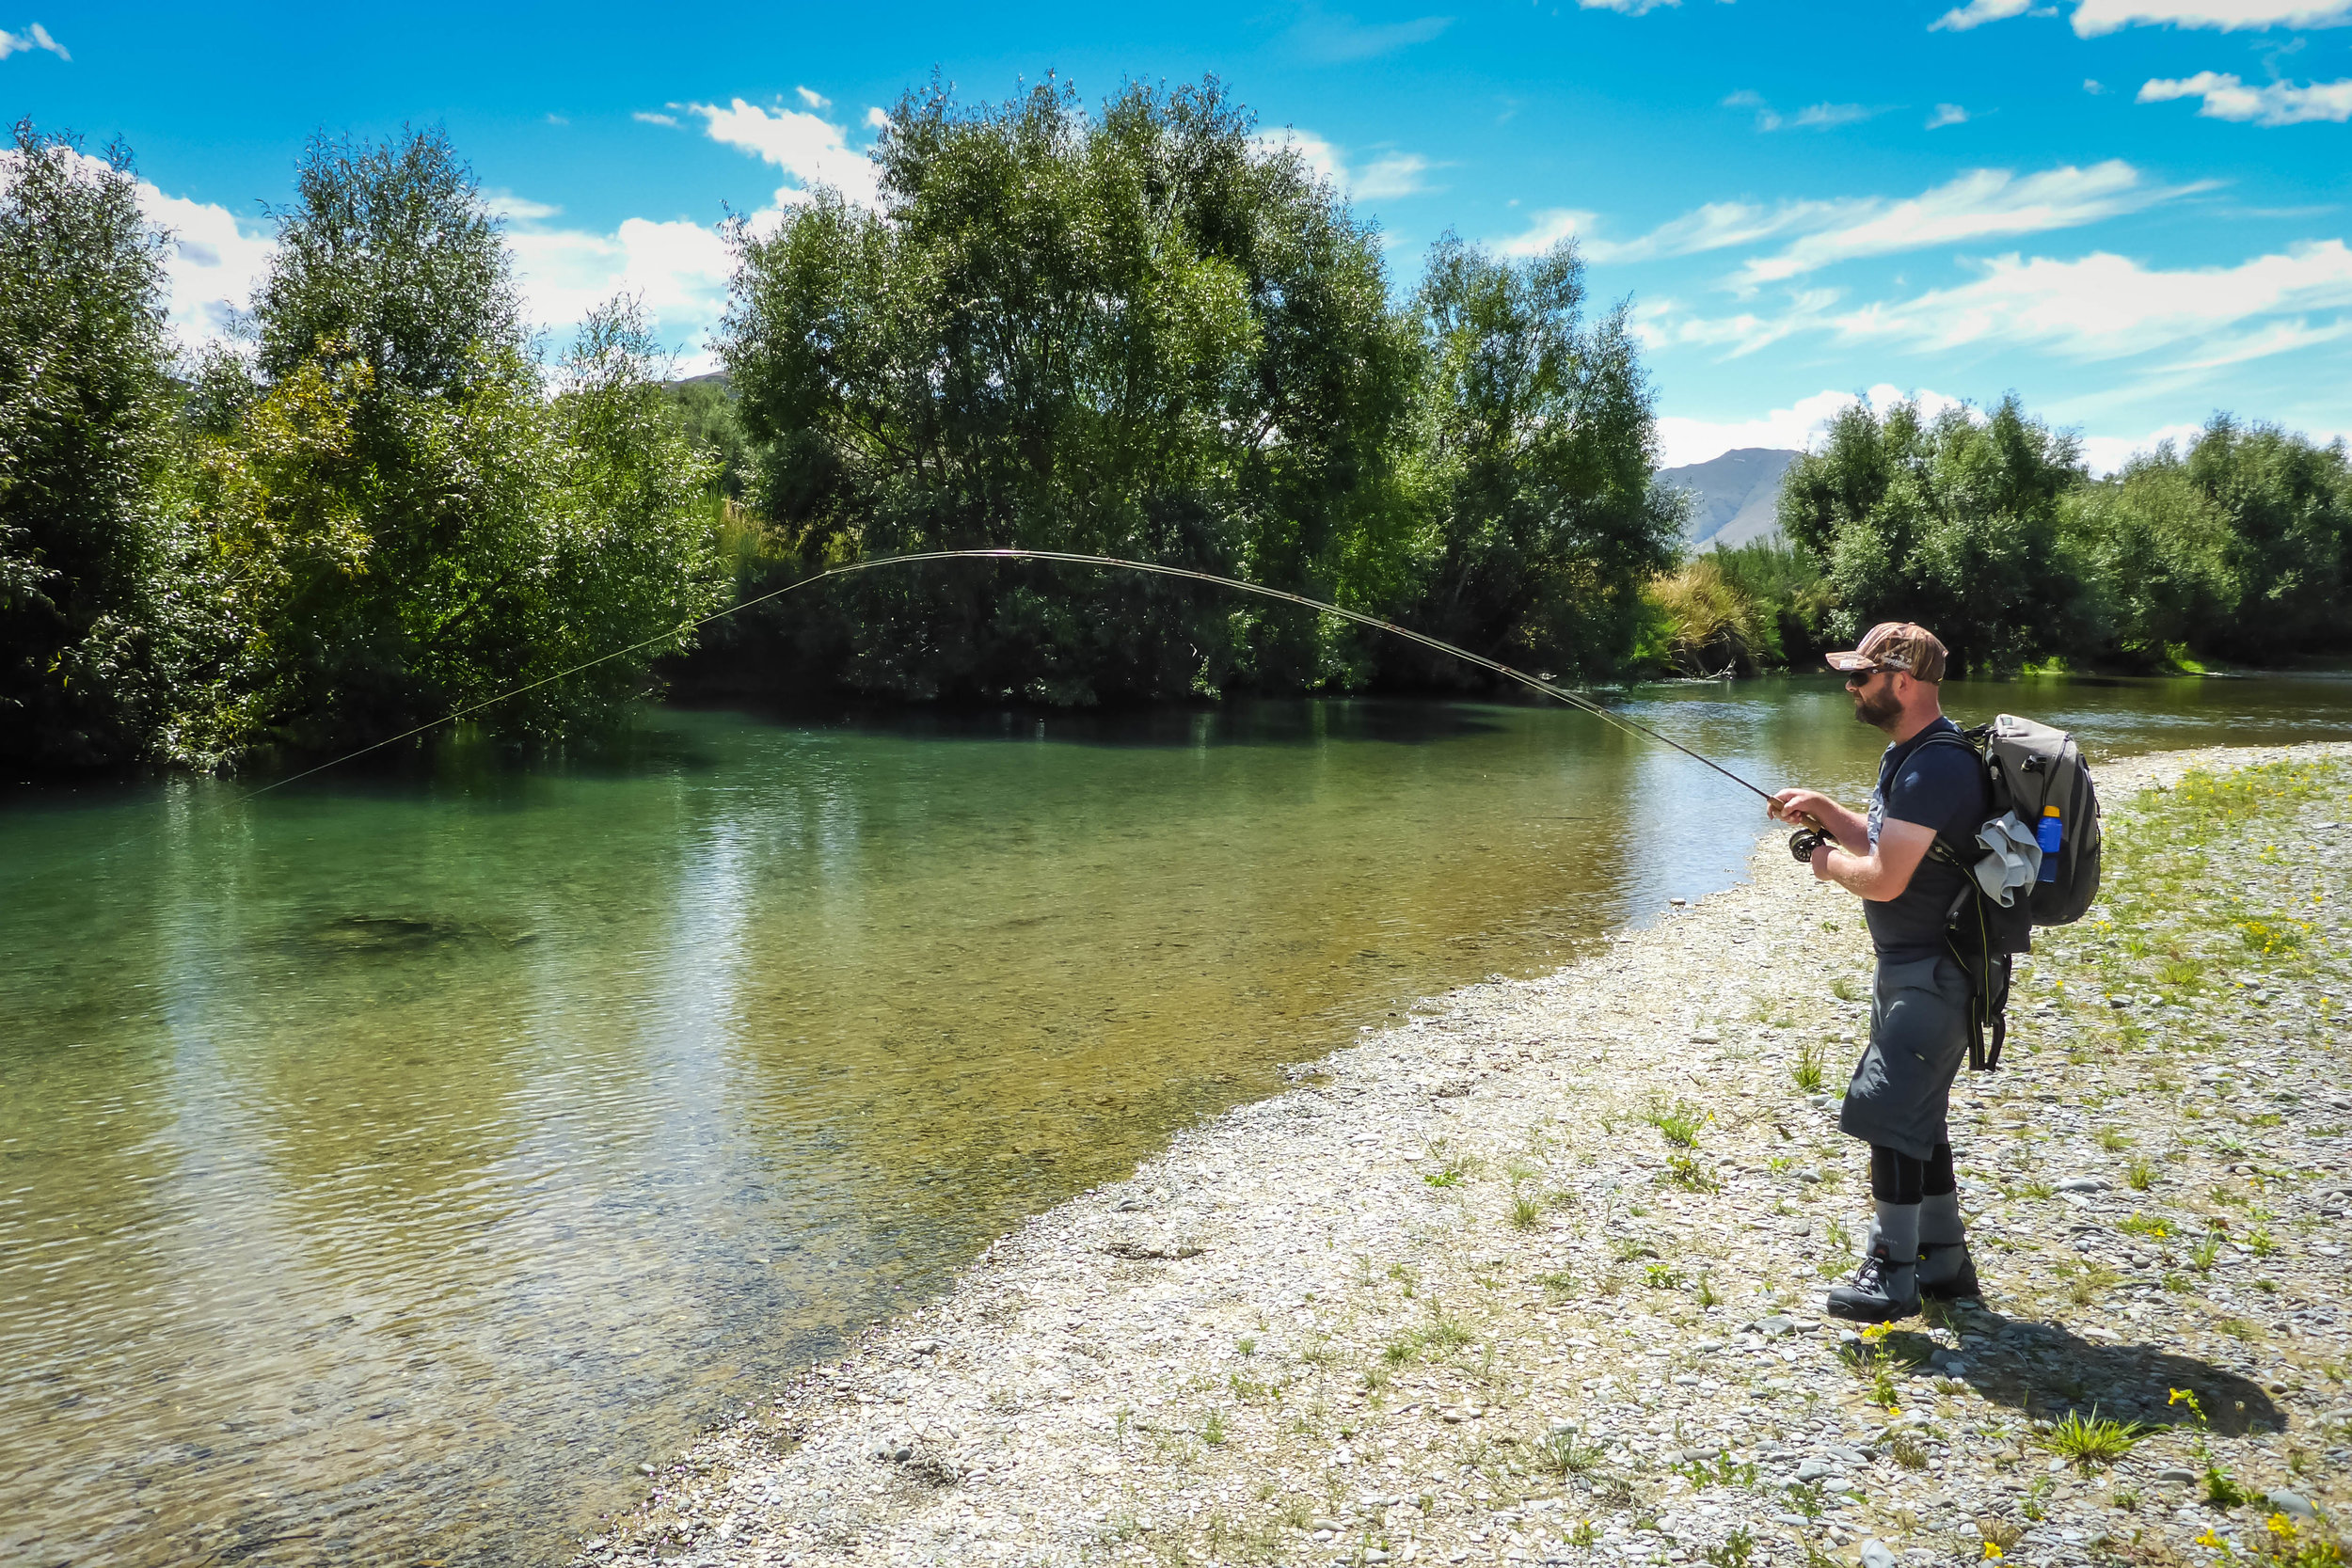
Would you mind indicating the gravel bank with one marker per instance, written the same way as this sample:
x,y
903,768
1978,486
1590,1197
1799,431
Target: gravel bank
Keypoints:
x,y
1534,1275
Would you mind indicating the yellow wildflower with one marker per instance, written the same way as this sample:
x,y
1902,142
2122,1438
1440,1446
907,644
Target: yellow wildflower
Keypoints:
x,y
1992,1551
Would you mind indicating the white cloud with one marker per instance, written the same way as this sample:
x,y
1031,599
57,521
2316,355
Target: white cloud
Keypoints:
x,y
2093,17
35,37
1818,117
1390,175
2277,103
2107,453
647,116
2105,306
506,204
813,98
214,264
1547,229
1976,13
1717,225
1629,8
679,269
1947,114
2093,87
876,120
1980,205
1683,440
1379,179
812,151
1824,117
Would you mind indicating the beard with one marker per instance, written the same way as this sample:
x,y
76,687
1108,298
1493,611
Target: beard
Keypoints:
x,y
1876,711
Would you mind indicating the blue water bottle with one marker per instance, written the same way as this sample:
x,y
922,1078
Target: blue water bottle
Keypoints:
x,y
2052,835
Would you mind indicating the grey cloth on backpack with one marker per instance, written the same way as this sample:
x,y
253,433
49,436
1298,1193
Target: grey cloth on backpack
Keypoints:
x,y
2012,859
1901,1088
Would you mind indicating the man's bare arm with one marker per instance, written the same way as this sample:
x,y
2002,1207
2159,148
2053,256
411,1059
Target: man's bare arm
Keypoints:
x,y
1885,874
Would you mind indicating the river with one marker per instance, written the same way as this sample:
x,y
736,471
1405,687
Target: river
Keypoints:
x,y
392,1163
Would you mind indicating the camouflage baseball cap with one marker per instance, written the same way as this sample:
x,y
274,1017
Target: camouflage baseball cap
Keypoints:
x,y
1896,645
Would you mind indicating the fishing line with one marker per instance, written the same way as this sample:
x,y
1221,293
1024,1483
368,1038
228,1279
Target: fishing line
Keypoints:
x,y
1064,558
1533,683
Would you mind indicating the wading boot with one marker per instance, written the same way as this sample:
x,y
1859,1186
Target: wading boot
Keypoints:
x,y
1882,1290
1947,1272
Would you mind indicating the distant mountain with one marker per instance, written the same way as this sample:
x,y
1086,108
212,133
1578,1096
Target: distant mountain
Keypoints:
x,y
1735,498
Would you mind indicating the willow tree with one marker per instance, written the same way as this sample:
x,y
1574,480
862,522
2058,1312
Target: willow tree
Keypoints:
x,y
403,521
85,396
1140,331
1954,521
1533,451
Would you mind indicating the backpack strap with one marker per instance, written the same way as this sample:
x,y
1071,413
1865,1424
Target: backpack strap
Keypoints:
x,y
1960,857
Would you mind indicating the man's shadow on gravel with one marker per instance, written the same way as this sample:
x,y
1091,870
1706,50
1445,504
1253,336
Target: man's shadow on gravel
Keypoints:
x,y
2045,1370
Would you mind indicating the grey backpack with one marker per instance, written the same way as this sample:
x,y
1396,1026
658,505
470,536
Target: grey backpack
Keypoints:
x,y
2037,773
2038,787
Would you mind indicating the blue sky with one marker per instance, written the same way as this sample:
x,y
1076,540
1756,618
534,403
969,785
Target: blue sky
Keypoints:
x,y
2131,213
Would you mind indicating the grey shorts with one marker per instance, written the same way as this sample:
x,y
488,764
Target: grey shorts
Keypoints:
x,y
1902,1089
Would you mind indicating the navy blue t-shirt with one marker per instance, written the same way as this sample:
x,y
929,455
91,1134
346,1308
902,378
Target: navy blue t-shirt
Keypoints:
x,y
1937,785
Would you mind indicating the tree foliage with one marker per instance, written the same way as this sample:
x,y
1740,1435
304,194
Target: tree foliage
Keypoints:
x,y
383,513
1953,521
1146,332
85,397
1129,333
1533,463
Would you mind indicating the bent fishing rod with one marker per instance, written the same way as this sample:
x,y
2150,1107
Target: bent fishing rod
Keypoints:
x,y
1065,557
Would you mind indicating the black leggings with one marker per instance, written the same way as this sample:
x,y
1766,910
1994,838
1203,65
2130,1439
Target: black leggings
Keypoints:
x,y
1897,1178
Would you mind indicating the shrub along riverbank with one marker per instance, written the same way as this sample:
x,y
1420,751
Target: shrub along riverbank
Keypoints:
x,y
1140,330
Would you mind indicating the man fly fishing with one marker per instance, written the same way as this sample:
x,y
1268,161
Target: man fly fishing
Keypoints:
x,y
1919,1010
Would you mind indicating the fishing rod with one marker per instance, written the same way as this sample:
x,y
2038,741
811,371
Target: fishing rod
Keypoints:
x,y
1066,558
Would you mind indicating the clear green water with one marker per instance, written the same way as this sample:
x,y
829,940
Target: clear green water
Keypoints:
x,y
390,1164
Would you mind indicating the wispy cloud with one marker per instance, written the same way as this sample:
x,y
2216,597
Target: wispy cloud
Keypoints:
x,y
1822,116
518,209
32,38
814,99
1976,13
1717,225
1331,38
2276,104
2106,307
2093,17
1985,204
1381,178
812,151
1947,114
1628,7
649,117
1547,229
1818,117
